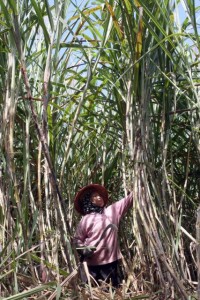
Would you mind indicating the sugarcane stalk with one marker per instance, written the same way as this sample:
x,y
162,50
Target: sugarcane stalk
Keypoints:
x,y
56,191
198,251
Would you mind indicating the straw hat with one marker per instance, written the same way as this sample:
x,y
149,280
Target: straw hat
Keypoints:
x,y
93,188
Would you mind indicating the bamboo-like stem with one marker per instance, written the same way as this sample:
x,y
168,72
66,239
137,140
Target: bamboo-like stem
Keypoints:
x,y
161,255
73,125
43,141
10,152
198,250
134,126
41,218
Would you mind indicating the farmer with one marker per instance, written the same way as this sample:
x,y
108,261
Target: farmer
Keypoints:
x,y
96,234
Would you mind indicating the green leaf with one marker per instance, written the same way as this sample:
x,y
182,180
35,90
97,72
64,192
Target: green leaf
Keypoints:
x,y
128,6
6,14
13,5
39,15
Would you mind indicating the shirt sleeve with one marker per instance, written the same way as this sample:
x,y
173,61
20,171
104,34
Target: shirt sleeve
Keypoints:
x,y
120,207
80,235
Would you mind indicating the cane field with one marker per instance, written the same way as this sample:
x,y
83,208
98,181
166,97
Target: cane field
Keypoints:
x,y
108,92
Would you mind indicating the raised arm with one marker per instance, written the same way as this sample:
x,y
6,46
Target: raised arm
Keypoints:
x,y
120,207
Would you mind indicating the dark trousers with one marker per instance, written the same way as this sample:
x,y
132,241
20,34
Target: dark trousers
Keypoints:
x,y
108,272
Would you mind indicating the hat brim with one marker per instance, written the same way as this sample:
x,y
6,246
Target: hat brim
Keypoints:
x,y
97,188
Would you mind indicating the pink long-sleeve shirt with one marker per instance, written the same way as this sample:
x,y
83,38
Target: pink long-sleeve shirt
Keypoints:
x,y
91,227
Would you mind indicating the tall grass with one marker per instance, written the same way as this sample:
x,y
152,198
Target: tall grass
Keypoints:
x,y
104,92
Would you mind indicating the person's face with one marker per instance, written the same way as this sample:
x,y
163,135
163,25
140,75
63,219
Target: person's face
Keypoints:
x,y
97,199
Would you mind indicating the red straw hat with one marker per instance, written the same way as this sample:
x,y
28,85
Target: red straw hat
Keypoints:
x,y
93,187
